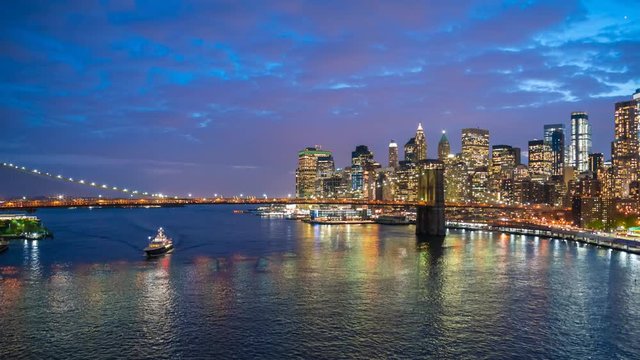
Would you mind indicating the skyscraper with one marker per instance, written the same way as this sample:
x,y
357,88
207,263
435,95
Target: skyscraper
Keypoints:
x,y
596,162
393,154
421,144
503,162
361,158
540,160
313,164
410,150
625,149
475,148
554,137
444,148
580,141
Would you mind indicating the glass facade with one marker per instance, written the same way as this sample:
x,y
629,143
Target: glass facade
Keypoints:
x,y
580,141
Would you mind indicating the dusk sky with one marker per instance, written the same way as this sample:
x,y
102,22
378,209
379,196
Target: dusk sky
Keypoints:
x,y
218,96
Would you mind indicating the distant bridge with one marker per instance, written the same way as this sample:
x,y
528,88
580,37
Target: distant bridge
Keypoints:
x,y
125,202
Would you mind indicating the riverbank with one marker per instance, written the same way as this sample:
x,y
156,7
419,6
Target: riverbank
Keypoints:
x,y
611,242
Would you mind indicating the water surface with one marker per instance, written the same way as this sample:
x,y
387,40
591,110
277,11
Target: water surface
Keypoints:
x,y
238,286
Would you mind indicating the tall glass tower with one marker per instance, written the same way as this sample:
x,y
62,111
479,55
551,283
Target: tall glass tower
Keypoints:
x,y
580,141
554,138
421,144
393,154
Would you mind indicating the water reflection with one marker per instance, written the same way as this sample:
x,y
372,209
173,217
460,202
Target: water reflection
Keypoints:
x,y
278,288
156,306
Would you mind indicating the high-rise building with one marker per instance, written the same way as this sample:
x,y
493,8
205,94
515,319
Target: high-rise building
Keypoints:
x,y
393,154
580,146
554,137
503,162
518,155
475,148
540,160
421,144
313,165
596,162
406,182
444,148
410,151
625,149
456,179
361,159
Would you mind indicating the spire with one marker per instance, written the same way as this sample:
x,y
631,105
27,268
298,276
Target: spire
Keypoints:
x,y
419,126
444,137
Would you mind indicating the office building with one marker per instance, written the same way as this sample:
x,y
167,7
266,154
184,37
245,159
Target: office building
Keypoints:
x,y
596,162
313,165
580,146
421,144
540,160
625,149
554,138
393,154
475,148
444,148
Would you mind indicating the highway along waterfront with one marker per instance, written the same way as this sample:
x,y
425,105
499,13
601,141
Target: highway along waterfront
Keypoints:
x,y
351,290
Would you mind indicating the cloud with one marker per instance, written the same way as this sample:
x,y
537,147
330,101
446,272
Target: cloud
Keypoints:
x,y
252,82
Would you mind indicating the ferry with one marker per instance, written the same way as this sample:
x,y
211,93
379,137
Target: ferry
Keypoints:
x,y
34,235
334,221
159,245
393,220
4,245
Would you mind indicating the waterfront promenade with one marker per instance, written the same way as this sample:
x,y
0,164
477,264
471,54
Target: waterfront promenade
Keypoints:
x,y
610,241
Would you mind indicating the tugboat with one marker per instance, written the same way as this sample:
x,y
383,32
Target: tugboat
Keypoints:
x,y
4,245
159,245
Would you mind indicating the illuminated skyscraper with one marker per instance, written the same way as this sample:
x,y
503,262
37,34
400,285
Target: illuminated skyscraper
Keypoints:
x,y
393,154
540,160
596,162
410,150
554,137
503,162
580,146
361,159
313,165
475,148
444,148
625,149
421,144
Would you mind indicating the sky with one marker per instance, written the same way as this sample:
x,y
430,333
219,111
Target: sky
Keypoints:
x,y
211,97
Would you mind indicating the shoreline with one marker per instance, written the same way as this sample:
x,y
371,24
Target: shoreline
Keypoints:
x,y
614,243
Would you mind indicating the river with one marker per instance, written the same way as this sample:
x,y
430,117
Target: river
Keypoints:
x,y
239,286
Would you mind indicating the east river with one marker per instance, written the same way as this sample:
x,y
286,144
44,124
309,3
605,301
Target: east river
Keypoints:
x,y
239,286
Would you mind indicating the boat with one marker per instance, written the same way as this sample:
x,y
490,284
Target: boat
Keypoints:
x,y
393,220
34,235
4,245
337,221
159,245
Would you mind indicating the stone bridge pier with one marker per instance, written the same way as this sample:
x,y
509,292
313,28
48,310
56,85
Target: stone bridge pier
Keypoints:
x,y
430,220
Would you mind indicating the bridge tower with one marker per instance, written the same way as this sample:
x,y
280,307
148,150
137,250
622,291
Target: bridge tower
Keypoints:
x,y
430,220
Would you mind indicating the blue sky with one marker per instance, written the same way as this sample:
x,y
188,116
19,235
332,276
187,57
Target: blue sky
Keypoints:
x,y
217,96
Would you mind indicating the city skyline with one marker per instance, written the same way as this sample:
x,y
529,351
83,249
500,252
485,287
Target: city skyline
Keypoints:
x,y
207,97
414,157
